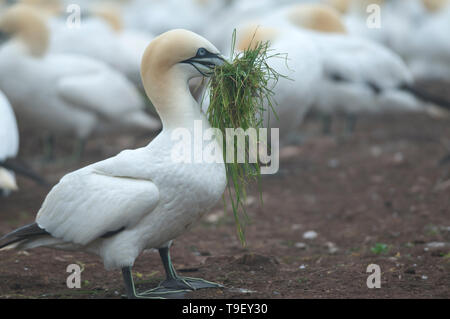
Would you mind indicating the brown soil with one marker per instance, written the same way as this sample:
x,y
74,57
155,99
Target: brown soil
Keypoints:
x,y
380,186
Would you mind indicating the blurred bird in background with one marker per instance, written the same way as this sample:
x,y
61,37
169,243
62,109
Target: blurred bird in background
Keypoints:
x,y
63,93
9,144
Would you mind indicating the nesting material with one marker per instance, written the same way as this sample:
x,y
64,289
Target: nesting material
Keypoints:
x,y
241,91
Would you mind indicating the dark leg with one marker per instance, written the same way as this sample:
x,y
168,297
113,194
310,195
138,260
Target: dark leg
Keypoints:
x,y
129,283
78,150
351,124
173,281
49,147
152,294
445,160
173,287
327,121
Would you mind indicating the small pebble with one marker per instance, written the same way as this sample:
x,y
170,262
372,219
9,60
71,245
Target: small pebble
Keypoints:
x,y
311,234
333,163
332,248
436,245
300,245
398,157
376,151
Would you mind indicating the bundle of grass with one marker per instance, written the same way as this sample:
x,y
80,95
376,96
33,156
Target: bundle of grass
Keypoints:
x,y
241,91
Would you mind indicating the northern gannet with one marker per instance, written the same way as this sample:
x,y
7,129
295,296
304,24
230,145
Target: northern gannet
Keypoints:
x,y
62,93
101,35
142,198
156,16
428,45
359,75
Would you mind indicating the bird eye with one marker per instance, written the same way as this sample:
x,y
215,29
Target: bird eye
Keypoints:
x,y
201,52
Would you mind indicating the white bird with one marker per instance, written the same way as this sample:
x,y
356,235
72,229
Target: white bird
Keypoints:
x,y
143,198
62,93
414,29
238,13
95,38
9,144
156,16
429,48
359,75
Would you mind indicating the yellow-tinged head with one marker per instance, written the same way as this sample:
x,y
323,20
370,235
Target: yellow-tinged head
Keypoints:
x,y
435,5
110,13
49,7
251,35
344,6
317,17
341,5
27,24
170,61
177,49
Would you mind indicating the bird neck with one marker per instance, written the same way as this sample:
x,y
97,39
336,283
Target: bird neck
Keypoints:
x,y
36,41
169,92
30,32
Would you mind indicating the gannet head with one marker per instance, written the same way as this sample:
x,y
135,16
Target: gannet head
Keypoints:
x,y
47,7
341,5
27,24
180,51
358,6
252,34
435,5
169,62
317,17
110,13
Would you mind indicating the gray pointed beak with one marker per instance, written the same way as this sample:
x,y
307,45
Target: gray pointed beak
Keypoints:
x,y
206,64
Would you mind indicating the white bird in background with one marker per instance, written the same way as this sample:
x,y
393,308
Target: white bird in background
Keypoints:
x,y
359,75
63,93
143,198
429,48
156,16
9,144
414,29
238,13
98,37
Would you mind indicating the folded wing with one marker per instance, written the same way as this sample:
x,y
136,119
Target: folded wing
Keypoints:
x,y
87,204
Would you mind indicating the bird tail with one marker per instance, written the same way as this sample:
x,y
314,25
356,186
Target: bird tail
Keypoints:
x,y
426,96
22,237
22,169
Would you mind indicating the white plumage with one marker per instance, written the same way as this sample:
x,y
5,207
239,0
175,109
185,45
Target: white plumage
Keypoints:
x,y
358,74
9,133
9,143
143,194
429,48
97,37
63,93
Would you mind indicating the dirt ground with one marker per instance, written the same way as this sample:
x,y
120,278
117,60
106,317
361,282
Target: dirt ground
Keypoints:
x,y
376,197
